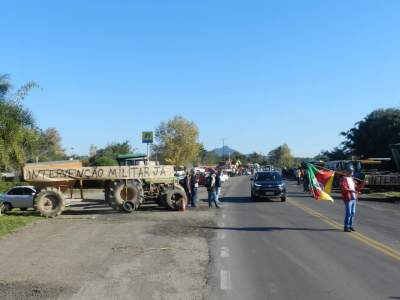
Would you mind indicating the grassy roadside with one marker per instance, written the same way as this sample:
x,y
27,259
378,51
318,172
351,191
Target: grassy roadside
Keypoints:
x,y
10,223
6,185
384,195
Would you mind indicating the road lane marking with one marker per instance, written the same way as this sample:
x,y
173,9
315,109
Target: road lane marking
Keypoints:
x,y
225,252
225,280
356,235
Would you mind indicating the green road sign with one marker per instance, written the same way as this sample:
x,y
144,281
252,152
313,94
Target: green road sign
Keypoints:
x,y
147,137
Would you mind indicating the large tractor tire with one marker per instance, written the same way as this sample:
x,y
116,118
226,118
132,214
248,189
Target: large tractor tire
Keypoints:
x,y
174,198
50,202
128,196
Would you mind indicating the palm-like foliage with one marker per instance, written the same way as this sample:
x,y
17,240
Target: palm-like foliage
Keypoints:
x,y
18,132
5,85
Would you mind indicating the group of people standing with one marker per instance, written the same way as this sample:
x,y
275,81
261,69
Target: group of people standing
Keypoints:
x,y
191,185
213,183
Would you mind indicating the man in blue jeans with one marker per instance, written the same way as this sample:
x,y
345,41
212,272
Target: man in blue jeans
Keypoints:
x,y
194,184
212,190
350,196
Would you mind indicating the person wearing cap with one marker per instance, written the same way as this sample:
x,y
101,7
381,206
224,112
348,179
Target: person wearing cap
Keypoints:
x,y
350,196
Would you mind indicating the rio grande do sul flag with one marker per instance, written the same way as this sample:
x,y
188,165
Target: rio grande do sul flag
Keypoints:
x,y
321,182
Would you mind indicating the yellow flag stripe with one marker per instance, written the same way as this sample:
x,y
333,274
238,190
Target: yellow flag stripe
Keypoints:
x,y
329,184
325,196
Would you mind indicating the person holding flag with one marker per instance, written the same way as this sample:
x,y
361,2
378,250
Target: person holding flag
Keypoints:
x,y
350,191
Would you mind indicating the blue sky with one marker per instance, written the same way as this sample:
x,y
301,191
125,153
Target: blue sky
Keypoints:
x,y
258,73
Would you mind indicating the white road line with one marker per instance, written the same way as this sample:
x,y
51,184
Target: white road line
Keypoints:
x,y
225,252
225,280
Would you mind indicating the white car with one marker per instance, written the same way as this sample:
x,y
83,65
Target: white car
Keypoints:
x,y
18,197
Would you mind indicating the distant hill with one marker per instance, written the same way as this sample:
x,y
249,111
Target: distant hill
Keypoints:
x,y
226,150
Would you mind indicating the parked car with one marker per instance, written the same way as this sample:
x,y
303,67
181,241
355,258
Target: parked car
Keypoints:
x,y
21,197
268,185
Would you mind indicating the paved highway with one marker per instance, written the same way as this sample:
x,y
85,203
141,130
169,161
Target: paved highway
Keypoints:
x,y
298,250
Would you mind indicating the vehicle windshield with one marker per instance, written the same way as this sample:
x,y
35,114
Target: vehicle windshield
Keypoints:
x,y
268,177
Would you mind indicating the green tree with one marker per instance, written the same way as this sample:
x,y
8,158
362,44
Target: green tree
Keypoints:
x,y
18,132
209,157
256,158
115,149
337,153
281,157
235,156
5,86
49,146
372,136
108,155
177,141
103,161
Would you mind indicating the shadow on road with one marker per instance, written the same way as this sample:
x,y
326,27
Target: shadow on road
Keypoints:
x,y
299,195
385,200
102,208
251,229
235,200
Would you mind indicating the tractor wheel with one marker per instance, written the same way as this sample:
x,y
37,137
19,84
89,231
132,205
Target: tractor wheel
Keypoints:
x,y
174,197
129,207
126,192
50,202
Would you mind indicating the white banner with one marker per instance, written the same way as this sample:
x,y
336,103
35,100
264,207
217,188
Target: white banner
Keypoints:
x,y
43,174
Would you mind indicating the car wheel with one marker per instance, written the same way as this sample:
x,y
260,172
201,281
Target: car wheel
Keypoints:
x,y
5,208
283,199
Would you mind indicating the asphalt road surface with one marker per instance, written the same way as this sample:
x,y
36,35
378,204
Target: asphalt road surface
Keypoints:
x,y
298,250
246,250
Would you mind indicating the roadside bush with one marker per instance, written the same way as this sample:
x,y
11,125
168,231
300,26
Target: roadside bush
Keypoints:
x,y
6,185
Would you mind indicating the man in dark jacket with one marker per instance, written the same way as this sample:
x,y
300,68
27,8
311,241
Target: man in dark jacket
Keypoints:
x,y
212,191
187,187
194,185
